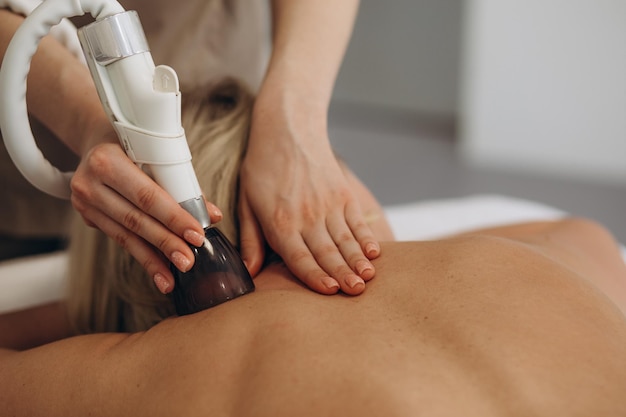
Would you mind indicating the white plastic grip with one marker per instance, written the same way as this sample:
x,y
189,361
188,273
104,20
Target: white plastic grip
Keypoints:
x,y
144,105
167,157
14,122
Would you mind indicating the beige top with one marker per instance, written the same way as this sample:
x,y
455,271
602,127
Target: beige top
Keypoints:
x,y
202,40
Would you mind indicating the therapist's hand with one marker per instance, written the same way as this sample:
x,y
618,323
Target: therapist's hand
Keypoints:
x,y
295,197
114,195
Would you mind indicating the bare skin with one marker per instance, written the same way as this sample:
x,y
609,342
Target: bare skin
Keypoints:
x,y
524,320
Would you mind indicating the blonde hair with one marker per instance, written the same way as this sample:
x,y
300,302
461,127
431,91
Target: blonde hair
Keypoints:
x,y
108,289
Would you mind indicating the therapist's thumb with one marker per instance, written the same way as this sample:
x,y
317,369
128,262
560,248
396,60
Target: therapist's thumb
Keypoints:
x,y
251,240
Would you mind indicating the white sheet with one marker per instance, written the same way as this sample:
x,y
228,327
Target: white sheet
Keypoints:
x,y
438,218
36,280
31,281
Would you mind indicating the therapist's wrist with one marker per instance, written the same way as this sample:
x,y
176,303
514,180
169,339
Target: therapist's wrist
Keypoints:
x,y
291,107
288,119
289,82
96,131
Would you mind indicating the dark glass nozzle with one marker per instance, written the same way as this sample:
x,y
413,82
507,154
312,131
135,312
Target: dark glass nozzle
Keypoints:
x,y
218,275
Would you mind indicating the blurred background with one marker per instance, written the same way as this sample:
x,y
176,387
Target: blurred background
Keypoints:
x,y
449,98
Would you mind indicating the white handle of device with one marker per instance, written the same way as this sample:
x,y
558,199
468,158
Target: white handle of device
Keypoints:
x,y
142,101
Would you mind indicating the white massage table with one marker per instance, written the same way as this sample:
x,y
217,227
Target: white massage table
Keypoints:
x,y
36,280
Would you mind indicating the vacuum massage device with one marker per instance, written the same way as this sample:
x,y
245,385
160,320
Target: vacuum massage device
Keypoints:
x,y
143,103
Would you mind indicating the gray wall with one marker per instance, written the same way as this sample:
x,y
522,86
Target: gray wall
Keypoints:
x,y
544,87
404,54
535,86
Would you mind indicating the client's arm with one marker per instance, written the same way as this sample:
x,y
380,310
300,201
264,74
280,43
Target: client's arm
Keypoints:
x,y
152,373
44,371
34,326
39,376
62,378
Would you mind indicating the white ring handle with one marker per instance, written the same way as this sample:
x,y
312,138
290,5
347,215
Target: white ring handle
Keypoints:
x,y
14,121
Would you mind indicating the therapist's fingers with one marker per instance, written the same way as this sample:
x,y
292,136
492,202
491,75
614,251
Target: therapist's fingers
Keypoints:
x,y
361,230
106,167
154,264
136,222
303,264
110,165
126,179
107,181
329,257
350,248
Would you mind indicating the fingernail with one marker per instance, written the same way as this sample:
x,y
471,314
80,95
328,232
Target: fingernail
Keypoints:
x,y
330,283
215,211
364,268
371,249
181,261
193,237
162,284
354,280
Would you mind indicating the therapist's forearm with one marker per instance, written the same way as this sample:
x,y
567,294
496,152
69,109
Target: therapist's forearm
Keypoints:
x,y
309,42
60,92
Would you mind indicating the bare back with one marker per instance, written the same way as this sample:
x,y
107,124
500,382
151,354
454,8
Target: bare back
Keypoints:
x,y
474,325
